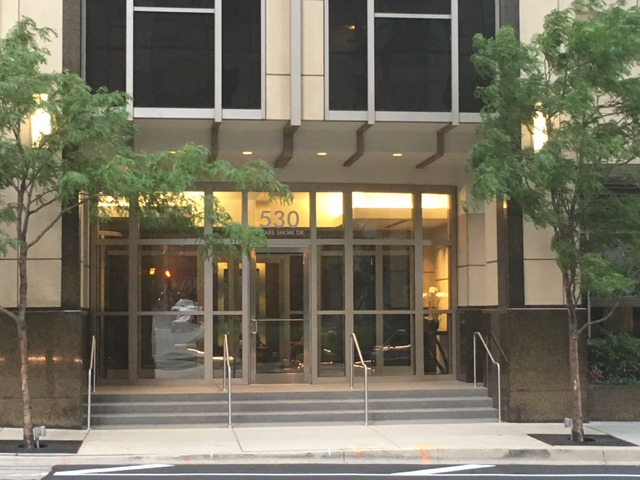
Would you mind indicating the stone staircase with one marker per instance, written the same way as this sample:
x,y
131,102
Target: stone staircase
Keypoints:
x,y
397,405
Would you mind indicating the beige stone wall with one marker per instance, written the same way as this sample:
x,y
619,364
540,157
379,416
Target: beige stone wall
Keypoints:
x,y
472,259
278,56
542,278
278,60
312,59
45,256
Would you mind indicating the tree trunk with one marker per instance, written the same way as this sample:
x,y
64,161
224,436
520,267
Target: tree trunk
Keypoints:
x,y
577,416
27,422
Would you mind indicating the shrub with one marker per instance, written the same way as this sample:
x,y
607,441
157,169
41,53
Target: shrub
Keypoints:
x,y
614,358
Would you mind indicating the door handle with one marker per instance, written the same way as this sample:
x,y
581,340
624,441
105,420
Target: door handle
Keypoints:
x,y
255,329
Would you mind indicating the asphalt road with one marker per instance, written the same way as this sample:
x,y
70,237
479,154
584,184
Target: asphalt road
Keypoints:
x,y
341,472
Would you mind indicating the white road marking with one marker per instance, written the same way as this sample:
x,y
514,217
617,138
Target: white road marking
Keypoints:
x,y
440,470
96,471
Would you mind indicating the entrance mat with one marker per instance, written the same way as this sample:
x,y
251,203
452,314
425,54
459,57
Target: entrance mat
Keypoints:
x,y
564,440
46,446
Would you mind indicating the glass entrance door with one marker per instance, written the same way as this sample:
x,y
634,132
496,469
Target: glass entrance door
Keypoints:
x,y
279,325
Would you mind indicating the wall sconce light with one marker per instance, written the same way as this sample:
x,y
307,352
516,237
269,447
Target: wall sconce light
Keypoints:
x,y
539,135
40,121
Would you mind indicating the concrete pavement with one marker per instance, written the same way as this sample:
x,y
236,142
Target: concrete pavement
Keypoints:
x,y
378,443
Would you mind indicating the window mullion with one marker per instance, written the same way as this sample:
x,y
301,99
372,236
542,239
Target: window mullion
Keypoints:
x,y
217,75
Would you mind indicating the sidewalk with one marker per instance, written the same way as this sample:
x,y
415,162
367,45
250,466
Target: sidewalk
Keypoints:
x,y
380,443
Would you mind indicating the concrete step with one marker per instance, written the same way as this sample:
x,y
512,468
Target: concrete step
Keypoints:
x,y
151,409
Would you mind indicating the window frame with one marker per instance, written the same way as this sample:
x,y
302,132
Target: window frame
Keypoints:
x,y
217,113
370,115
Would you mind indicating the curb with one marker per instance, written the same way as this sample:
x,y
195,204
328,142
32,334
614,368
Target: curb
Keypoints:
x,y
580,455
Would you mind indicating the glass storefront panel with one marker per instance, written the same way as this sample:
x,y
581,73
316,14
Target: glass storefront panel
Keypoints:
x,y
230,203
435,278
397,278
331,280
397,348
437,344
435,302
279,220
387,342
330,214
364,278
117,226
171,278
382,215
232,326
114,278
227,285
173,225
383,277
114,345
331,351
364,326
436,217
171,345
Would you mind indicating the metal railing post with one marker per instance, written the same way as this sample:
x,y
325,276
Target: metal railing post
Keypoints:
x,y
356,346
226,372
91,379
488,356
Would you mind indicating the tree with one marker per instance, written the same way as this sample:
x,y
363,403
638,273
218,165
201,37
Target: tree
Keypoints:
x,y
577,76
83,155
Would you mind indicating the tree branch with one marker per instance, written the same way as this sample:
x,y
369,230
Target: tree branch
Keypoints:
x,y
600,320
8,313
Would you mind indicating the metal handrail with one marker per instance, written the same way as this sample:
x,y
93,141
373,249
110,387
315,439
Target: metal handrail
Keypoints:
x,y
354,343
497,364
91,379
226,374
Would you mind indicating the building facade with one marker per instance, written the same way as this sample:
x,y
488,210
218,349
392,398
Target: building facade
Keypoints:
x,y
365,108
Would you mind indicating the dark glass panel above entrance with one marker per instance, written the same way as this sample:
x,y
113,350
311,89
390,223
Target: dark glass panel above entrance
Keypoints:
x,y
175,3
347,55
413,65
413,6
476,16
106,39
173,60
241,54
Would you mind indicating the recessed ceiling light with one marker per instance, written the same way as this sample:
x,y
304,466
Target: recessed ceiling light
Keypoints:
x,y
396,154
247,152
321,154
351,27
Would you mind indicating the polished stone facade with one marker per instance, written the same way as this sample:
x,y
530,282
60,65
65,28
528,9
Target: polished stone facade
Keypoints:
x,y
59,353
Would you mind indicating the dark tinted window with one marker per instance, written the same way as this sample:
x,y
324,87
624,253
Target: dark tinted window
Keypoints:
x,y
173,60
175,3
241,54
106,38
476,16
413,6
348,55
413,65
